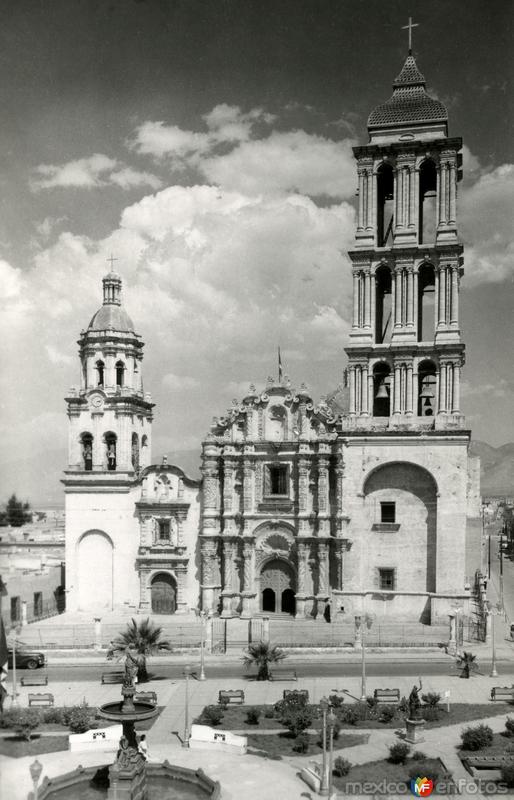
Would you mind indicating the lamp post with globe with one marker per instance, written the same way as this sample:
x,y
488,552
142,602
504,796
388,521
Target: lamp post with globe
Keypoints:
x,y
35,770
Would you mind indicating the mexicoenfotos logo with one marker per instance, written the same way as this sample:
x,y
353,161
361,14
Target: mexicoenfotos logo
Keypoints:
x,y
421,787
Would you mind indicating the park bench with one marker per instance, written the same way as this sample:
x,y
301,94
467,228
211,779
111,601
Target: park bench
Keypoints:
x,y
389,696
486,767
34,680
146,697
502,693
41,699
283,675
231,697
292,692
113,677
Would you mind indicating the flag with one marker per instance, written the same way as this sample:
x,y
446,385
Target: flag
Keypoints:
x,y
3,664
279,367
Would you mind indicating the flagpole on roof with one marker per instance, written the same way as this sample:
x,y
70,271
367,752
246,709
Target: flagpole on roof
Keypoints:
x,y
279,366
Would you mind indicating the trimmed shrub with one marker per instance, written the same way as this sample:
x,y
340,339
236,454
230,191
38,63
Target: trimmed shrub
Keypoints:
x,y
398,753
349,715
301,744
292,702
431,699
509,726
507,771
212,715
80,720
269,712
296,720
421,769
386,713
54,715
476,738
341,767
418,755
252,715
11,718
27,723
403,705
336,700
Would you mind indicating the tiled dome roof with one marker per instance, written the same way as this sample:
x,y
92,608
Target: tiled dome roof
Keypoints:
x,y
111,317
409,102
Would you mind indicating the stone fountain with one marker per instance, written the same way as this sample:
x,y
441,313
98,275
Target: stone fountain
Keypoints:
x,y
127,776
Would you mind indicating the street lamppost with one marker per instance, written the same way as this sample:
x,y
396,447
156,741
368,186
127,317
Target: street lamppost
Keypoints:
x,y
185,742
493,611
331,719
204,616
35,773
323,789
14,696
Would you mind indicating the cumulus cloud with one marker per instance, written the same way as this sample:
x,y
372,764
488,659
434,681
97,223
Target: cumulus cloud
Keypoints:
x,y
10,281
89,173
485,210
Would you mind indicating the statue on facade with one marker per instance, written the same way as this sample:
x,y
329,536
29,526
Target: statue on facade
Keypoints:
x,y
414,701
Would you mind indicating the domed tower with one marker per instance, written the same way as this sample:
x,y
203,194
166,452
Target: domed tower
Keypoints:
x,y
110,420
110,416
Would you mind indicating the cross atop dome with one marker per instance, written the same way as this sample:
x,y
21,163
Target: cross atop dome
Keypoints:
x,y
410,26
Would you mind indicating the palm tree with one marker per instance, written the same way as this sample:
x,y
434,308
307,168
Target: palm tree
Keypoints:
x,y
467,663
262,655
141,638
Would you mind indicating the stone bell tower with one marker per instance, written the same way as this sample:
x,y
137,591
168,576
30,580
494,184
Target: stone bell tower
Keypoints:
x,y
405,351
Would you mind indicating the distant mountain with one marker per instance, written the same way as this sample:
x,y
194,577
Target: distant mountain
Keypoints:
x,y
38,481
496,468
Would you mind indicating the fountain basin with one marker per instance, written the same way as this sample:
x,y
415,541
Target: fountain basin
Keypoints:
x,y
116,712
164,782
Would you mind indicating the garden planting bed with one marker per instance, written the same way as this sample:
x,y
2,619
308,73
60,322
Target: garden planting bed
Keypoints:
x,y
384,773
278,745
16,747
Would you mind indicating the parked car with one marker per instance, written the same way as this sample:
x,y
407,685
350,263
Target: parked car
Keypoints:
x,y
26,659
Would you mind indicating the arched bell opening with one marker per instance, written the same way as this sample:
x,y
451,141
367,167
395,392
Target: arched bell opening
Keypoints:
x,y
135,452
382,390
385,204
110,440
86,443
426,303
427,201
426,389
383,305
120,372
100,372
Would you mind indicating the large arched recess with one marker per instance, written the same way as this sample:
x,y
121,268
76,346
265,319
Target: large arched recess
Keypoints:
x,y
414,490
95,552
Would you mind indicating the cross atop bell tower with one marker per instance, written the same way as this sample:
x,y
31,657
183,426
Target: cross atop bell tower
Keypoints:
x,y
405,352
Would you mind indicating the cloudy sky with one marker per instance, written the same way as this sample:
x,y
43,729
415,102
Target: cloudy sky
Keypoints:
x,y
206,144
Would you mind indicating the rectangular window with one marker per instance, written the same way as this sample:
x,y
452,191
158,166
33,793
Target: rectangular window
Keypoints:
x,y
15,609
386,578
163,530
387,512
278,479
38,604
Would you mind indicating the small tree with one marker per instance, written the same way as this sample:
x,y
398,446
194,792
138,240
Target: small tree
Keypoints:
x,y
398,753
297,720
262,655
341,767
17,513
27,723
431,699
142,637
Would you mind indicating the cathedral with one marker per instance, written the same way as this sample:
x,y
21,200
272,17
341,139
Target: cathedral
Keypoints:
x,y
371,506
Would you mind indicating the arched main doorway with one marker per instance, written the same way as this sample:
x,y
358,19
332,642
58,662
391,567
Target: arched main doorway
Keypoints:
x,y
278,588
164,594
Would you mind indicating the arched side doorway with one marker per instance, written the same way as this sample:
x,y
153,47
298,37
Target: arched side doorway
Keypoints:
x,y
95,571
163,592
278,587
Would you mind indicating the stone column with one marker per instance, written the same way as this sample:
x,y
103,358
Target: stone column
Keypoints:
x,y
441,321
339,547
228,579
303,557
442,194
412,202
351,373
358,389
371,391
364,390
397,389
99,458
410,398
442,389
356,277
410,297
210,573
144,590
398,299
454,315
415,389
367,300
248,574
323,592
393,296
456,389
323,498
415,310
303,486
248,471
110,371
360,217
181,573
453,194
